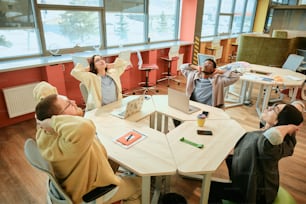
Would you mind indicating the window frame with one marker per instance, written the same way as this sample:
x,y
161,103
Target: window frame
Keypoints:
x,y
232,15
43,50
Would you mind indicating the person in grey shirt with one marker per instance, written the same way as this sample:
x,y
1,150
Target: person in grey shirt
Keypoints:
x,y
206,84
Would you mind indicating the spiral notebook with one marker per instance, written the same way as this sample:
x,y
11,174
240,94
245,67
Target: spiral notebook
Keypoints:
x,y
129,139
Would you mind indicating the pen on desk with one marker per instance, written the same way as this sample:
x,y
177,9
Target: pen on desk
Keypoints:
x,y
129,137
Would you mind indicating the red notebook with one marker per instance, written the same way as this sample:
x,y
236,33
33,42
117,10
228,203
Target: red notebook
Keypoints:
x,y
130,138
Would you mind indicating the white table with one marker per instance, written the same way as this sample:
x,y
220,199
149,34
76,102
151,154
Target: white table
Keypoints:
x,y
160,155
149,157
194,161
258,74
164,111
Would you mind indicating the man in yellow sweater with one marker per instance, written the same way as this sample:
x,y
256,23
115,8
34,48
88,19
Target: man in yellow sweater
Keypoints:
x,y
68,141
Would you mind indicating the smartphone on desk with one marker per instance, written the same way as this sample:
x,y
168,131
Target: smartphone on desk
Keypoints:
x,y
204,132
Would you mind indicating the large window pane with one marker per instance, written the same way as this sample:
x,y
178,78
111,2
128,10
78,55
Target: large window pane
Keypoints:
x,y
238,16
226,6
72,2
224,24
226,17
67,29
209,17
249,16
125,22
18,42
123,29
162,20
17,29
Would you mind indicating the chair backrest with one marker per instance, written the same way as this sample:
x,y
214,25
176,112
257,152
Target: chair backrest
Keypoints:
x,y
215,42
174,51
81,60
126,55
140,62
84,92
36,160
203,57
293,62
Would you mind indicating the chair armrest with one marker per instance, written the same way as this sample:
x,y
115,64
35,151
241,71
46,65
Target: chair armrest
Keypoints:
x,y
97,192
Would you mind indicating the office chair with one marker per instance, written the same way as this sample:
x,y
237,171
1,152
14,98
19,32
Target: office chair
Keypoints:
x,y
292,63
172,55
84,92
126,55
55,193
146,85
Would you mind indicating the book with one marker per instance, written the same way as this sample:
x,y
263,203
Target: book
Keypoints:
x,y
129,139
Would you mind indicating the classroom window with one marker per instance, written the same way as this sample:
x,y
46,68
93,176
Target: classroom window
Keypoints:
x,y
125,22
67,29
226,17
80,25
163,20
18,32
72,3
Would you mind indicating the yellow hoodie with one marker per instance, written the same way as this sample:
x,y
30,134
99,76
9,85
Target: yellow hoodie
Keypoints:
x,y
79,160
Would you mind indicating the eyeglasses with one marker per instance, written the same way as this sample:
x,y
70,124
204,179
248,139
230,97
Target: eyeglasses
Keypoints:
x,y
274,108
66,107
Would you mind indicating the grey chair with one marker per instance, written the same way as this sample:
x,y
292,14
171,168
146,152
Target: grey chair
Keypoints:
x,y
55,193
84,92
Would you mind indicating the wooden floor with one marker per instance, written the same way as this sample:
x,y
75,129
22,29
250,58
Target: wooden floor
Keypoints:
x,y
21,183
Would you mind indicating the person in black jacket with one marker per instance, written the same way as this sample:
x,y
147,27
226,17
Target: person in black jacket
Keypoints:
x,y
253,167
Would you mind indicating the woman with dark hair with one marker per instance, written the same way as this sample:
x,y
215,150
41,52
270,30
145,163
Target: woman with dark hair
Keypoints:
x,y
101,79
253,168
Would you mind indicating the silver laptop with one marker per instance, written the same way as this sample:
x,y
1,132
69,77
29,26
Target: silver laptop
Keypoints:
x,y
179,101
132,107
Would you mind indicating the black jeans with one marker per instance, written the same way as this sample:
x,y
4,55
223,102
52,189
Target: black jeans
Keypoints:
x,y
224,191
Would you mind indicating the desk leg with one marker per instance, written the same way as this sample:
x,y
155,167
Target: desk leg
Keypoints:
x,y
146,188
166,124
258,99
294,94
152,120
205,188
248,92
240,96
159,121
266,98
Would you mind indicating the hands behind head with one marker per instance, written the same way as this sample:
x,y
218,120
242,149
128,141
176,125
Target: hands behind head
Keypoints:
x,y
289,129
109,65
45,125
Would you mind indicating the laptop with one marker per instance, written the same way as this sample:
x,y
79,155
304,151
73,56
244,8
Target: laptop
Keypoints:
x,y
133,106
179,101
